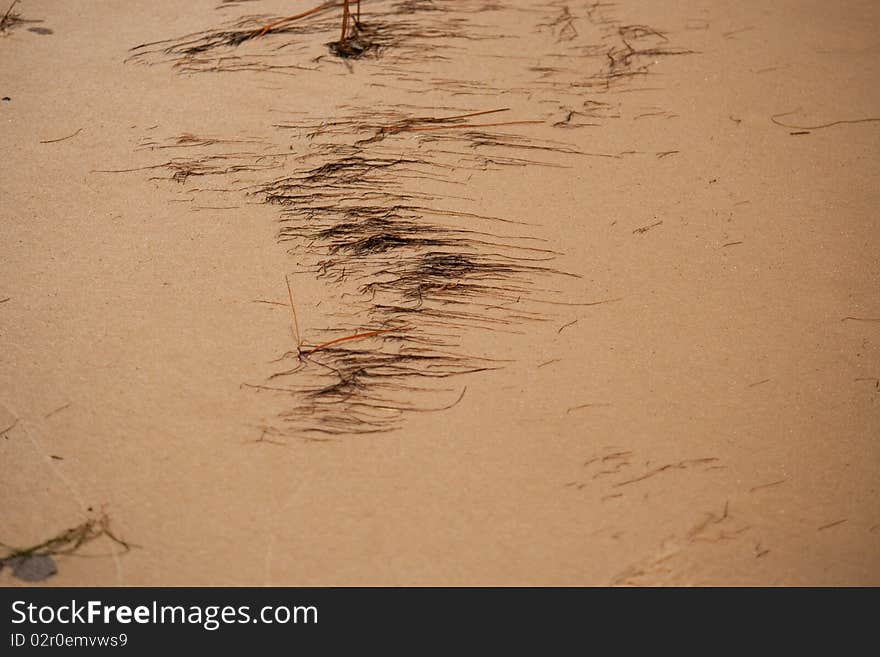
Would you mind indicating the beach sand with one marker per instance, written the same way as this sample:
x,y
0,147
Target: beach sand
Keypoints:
x,y
656,363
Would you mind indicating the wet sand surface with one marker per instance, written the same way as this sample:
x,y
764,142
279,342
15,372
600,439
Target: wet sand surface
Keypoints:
x,y
623,329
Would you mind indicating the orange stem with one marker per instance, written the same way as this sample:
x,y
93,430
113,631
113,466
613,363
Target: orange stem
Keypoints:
x,y
356,336
345,14
469,115
468,125
304,14
293,314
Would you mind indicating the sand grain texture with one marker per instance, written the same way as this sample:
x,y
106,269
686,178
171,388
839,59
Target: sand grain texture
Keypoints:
x,y
644,295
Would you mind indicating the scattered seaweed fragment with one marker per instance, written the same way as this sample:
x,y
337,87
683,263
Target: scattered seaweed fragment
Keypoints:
x,y
37,562
10,18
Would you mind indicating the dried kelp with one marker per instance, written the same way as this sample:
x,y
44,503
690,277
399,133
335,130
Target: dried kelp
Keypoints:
x,y
37,562
285,44
182,168
373,199
10,18
417,276
581,50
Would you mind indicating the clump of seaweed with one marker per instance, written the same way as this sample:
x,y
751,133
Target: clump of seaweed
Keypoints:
x,y
343,390
639,41
373,201
37,562
415,45
418,279
10,19
389,27
356,39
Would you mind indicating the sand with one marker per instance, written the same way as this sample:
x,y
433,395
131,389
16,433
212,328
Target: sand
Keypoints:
x,y
711,420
